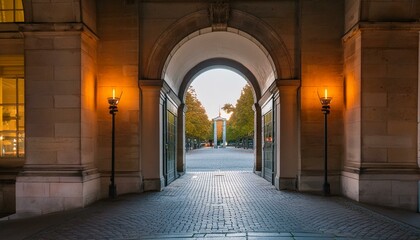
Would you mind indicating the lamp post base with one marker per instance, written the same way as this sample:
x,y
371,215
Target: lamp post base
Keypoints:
x,y
112,191
326,188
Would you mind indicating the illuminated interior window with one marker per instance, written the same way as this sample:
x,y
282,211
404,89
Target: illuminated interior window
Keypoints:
x,y
11,11
12,124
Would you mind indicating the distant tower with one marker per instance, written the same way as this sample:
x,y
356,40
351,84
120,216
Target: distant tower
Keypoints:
x,y
219,120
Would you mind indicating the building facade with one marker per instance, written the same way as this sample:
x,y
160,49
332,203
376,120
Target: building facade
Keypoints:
x,y
61,60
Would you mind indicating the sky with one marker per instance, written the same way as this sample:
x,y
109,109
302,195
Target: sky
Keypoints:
x,y
216,87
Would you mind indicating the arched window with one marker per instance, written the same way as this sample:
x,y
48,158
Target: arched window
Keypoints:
x,y
11,11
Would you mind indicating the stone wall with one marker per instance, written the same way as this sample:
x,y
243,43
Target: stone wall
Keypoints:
x,y
321,67
382,66
118,31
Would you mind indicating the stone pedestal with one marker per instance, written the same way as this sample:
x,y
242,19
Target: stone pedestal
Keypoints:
x,y
41,191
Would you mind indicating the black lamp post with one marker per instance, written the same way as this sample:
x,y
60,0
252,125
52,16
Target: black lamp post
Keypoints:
x,y
325,102
113,109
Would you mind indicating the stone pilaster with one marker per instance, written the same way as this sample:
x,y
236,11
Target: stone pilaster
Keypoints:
x,y
257,137
151,134
287,134
59,172
381,118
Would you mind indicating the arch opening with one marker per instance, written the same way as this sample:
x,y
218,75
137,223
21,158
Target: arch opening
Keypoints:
x,y
217,132
204,50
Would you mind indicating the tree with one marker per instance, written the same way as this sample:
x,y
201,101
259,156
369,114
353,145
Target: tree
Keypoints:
x,y
197,123
228,108
241,122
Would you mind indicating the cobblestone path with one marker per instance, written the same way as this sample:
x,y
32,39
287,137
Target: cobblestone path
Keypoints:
x,y
217,205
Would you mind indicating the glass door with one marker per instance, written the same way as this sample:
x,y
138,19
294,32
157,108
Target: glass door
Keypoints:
x,y
268,147
170,148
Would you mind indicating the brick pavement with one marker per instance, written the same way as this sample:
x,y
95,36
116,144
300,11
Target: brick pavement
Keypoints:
x,y
217,205
210,159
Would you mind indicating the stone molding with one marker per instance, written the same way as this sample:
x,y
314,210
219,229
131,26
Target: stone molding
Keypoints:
x,y
57,29
291,84
164,87
370,168
380,26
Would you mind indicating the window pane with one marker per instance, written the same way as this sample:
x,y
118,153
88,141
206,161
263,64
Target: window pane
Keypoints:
x,y
9,118
9,144
8,90
6,4
6,16
11,11
18,4
19,16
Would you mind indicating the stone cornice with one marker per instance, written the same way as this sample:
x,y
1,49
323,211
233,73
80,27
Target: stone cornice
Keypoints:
x,y
163,86
151,83
289,83
382,168
381,26
292,84
10,31
48,28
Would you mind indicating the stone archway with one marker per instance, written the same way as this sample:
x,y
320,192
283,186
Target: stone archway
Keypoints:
x,y
251,47
198,23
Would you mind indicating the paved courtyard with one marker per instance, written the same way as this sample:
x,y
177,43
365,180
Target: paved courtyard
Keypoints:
x,y
223,204
220,159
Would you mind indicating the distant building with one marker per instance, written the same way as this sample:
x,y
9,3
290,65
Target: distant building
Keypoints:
x,y
219,131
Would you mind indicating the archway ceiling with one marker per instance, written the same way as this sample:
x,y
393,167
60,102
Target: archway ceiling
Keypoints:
x,y
219,45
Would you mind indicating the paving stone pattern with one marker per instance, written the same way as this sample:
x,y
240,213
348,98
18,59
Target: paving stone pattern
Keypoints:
x,y
226,205
224,159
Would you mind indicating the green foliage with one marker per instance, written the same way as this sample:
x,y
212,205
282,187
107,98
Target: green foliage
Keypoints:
x,y
228,108
197,123
241,122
